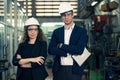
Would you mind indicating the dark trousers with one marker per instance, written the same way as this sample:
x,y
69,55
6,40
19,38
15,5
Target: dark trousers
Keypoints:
x,y
65,73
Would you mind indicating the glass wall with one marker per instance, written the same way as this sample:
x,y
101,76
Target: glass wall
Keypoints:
x,y
1,39
12,19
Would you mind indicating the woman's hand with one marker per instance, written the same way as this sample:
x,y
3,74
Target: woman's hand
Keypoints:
x,y
18,56
39,60
26,63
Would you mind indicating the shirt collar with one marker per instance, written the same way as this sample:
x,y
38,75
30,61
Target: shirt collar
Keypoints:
x,y
72,26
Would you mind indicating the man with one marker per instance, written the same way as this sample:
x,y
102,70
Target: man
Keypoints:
x,y
67,41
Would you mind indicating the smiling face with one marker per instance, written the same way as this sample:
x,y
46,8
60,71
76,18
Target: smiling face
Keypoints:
x,y
32,31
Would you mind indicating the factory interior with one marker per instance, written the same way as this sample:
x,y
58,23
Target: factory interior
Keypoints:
x,y
103,42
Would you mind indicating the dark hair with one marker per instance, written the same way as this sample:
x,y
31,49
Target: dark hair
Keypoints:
x,y
40,37
66,12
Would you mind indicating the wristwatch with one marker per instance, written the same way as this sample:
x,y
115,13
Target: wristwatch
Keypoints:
x,y
60,45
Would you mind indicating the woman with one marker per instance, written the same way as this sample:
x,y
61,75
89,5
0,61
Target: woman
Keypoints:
x,y
31,53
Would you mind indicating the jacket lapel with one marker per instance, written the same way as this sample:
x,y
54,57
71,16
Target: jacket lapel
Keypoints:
x,y
73,34
62,34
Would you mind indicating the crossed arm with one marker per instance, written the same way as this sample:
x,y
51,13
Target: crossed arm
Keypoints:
x,y
26,63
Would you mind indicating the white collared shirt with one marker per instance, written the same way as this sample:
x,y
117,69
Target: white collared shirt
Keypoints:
x,y
67,60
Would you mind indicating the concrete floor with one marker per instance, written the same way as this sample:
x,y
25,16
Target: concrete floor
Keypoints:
x,y
50,74
50,77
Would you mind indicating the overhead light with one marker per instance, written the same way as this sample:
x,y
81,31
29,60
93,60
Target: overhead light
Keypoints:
x,y
94,3
13,3
23,10
18,4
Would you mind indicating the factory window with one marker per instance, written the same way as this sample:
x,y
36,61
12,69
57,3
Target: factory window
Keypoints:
x,y
45,8
40,8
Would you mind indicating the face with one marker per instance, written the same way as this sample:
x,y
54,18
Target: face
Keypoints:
x,y
32,32
67,17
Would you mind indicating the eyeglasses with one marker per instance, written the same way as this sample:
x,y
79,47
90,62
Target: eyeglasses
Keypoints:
x,y
33,29
66,14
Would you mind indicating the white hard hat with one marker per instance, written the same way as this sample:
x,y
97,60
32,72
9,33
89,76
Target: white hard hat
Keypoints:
x,y
31,21
64,7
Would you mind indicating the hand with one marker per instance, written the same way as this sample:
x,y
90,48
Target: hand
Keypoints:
x,y
19,56
39,60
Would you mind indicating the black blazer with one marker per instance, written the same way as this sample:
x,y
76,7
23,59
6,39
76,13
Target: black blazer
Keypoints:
x,y
39,49
76,46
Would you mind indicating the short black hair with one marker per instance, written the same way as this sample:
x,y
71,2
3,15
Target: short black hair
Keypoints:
x,y
66,12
